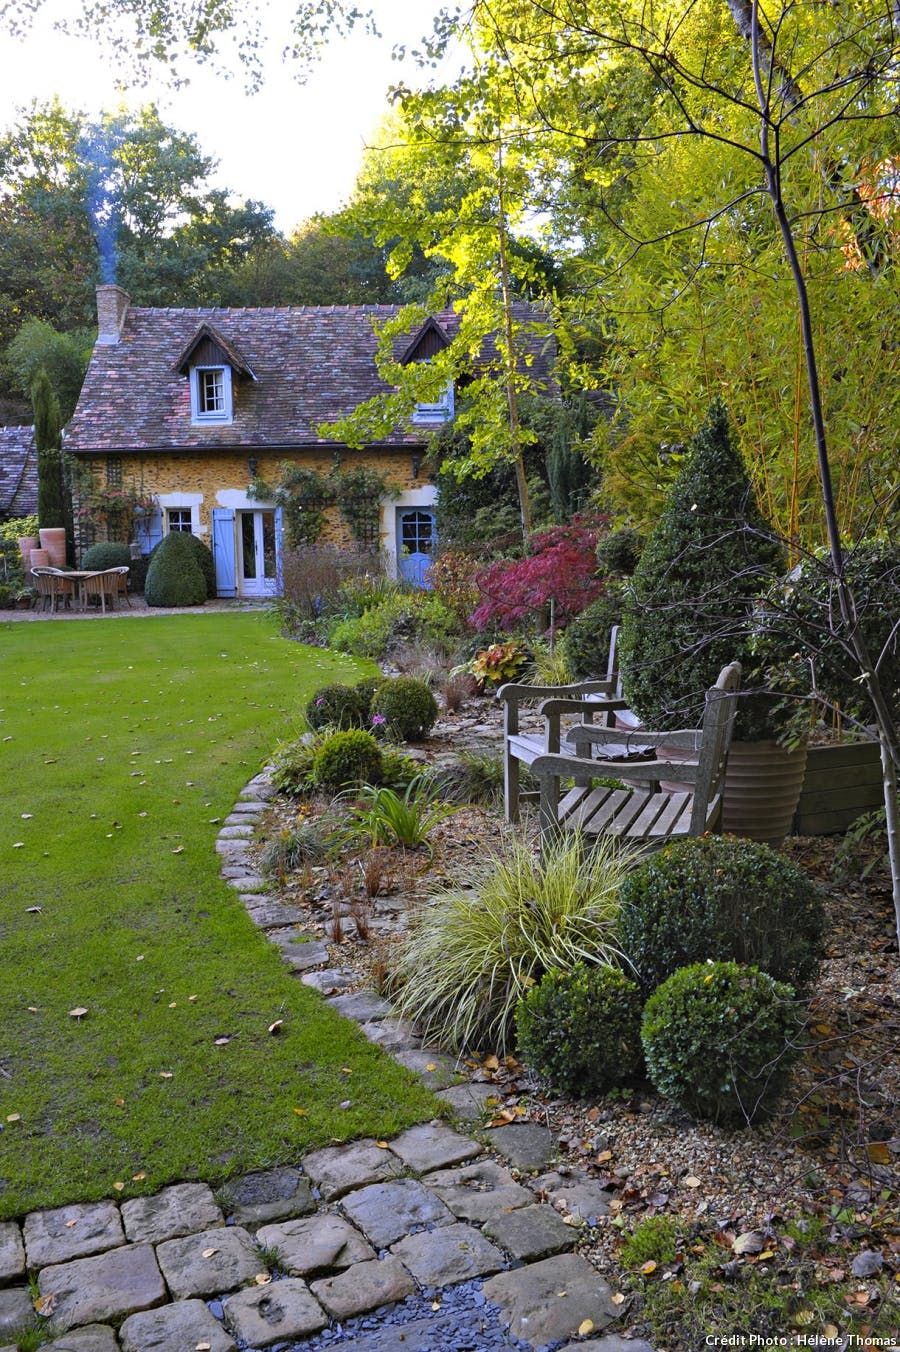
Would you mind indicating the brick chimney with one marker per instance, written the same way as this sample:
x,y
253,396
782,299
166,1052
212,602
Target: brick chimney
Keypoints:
x,y
112,307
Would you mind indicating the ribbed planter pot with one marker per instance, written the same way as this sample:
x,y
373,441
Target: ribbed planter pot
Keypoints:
x,y
762,788
39,558
53,539
26,544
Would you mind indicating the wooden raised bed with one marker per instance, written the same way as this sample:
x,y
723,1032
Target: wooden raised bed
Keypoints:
x,y
841,782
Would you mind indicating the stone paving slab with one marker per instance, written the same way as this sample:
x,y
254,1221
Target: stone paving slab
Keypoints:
x,y
531,1232
267,913
391,1034
71,1232
239,876
432,1146
450,1254
267,1195
176,1211
479,1191
315,1244
210,1262
469,1101
578,1194
526,1145
364,1287
385,1212
550,1300
331,980
108,1286
338,1169
16,1310
363,1006
299,950
241,831
251,806
12,1253
183,1326
270,1314
436,1068
93,1338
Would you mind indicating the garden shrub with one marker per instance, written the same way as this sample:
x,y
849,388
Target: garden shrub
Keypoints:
x,y
337,706
203,555
720,1039
398,771
292,765
562,567
586,640
107,554
691,599
8,596
472,952
721,898
175,577
347,759
406,706
499,663
295,846
619,552
581,1029
366,688
403,617
452,578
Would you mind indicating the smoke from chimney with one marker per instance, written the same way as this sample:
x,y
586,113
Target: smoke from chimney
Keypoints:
x,y
96,151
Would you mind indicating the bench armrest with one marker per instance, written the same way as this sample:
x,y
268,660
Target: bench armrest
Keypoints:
x,y
558,766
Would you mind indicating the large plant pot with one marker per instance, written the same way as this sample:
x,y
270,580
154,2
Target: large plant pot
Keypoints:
x,y
53,539
762,788
39,558
26,544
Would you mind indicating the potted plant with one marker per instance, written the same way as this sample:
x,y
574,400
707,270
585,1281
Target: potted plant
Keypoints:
x,y
690,610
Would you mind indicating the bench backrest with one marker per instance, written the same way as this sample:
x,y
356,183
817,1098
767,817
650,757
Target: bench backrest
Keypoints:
x,y
715,741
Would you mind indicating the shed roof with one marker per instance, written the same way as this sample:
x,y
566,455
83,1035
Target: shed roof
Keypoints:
x,y
18,472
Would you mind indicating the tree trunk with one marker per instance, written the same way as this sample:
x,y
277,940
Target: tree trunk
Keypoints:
x,y
512,396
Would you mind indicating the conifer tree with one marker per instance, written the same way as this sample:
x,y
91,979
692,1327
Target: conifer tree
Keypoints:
x,y
48,440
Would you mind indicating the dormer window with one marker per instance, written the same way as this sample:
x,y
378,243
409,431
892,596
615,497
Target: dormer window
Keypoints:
x,y
430,339
211,394
438,412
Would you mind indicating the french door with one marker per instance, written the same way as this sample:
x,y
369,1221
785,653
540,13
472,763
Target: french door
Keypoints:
x,y
257,554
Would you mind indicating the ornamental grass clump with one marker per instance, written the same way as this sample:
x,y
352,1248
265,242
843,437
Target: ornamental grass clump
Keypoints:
x,y
388,817
721,898
581,1030
473,953
720,1039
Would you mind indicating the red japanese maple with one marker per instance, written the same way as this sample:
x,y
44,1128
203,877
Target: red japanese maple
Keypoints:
x,y
561,568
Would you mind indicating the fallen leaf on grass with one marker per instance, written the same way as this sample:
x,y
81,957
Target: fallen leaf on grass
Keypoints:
x,y
276,1027
78,1012
751,1241
138,1178
14,1117
118,1185
165,1074
648,1268
299,1112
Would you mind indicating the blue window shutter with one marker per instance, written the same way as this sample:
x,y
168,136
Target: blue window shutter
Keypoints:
x,y
223,551
279,551
149,530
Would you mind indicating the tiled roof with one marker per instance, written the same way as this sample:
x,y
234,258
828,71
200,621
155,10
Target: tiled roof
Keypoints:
x,y
312,364
18,472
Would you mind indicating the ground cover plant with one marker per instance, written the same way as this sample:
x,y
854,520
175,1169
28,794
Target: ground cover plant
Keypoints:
x,y
122,747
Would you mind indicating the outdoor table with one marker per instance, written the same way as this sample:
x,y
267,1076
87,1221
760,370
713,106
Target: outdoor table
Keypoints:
x,y
81,576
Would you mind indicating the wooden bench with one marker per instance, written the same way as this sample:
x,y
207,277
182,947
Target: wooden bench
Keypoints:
x,y
646,812
586,700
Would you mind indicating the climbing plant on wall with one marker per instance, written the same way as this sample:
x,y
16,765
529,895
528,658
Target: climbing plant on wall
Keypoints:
x,y
358,493
302,494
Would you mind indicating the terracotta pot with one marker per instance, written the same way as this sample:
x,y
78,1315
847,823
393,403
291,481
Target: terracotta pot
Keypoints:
x,y
53,539
26,544
39,558
762,789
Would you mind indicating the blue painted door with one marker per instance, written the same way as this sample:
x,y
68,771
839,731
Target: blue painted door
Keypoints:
x,y
416,541
279,551
148,530
223,551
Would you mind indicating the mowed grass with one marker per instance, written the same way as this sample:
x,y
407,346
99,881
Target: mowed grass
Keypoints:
x,y
122,742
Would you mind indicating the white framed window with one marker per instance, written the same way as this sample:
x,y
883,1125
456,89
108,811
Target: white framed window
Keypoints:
x,y
179,518
211,394
438,412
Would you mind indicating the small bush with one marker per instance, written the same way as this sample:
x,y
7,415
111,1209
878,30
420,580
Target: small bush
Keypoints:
x,y
501,662
720,898
586,640
403,617
654,1240
203,555
175,577
345,760
720,1038
550,664
366,688
472,953
107,554
338,706
619,552
581,1030
407,707
7,596
398,771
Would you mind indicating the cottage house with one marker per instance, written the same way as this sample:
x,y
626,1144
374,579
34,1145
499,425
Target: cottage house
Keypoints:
x,y
187,407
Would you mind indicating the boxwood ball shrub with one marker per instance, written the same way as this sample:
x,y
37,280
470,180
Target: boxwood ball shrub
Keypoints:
x,y
406,705
174,577
722,898
347,759
107,554
720,1039
581,1029
203,555
338,706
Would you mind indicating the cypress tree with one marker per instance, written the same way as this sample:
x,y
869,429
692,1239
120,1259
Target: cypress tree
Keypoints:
x,y
48,440
706,561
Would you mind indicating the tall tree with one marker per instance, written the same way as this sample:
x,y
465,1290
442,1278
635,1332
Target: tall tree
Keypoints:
x,y
48,442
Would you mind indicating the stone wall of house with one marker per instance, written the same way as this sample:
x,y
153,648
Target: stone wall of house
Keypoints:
x,y
216,478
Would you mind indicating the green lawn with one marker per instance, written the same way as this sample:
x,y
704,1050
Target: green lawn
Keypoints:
x,y
120,743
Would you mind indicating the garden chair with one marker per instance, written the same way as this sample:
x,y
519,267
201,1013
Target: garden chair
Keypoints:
x,y
122,572
644,811
585,699
60,586
41,583
104,585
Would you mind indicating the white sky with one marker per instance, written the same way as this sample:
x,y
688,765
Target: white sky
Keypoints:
x,y
295,147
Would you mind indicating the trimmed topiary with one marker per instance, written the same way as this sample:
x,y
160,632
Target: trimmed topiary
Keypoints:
x,y
585,642
347,759
406,706
619,552
720,1039
366,689
174,577
691,599
581,1029
107,554
337,706
721,898
203,555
